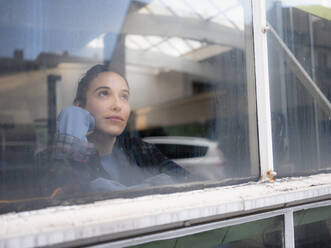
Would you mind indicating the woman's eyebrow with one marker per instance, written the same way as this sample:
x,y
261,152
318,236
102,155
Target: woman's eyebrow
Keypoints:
x,y
102,87
126,91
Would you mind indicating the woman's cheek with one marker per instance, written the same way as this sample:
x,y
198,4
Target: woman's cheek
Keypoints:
x,y
128,110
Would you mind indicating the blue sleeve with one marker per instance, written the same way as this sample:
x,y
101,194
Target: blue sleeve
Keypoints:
x,y
75,121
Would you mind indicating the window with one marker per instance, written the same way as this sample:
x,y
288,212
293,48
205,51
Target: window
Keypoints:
x,y
193,120
312,227
191,81
298,47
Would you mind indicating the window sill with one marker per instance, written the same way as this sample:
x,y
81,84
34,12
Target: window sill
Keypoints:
x,y
122,218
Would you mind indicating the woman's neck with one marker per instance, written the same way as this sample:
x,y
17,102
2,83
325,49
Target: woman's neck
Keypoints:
x,y
104,143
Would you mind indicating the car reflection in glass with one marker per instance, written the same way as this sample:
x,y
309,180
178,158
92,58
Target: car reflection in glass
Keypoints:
x,y
201,157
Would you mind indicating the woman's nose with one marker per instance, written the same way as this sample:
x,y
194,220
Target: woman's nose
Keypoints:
x,y
115,104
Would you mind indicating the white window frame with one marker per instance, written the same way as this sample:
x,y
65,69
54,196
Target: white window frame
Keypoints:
x,y
131,220
262,89
122,222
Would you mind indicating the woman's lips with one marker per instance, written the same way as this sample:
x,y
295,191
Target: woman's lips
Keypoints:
x,y
115,118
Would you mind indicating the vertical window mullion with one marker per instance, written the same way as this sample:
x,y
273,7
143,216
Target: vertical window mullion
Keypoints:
x,y
289,229
262,89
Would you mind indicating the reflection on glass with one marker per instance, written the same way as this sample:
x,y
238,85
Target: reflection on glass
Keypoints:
x,y
312,227
192,94
257,234
299,46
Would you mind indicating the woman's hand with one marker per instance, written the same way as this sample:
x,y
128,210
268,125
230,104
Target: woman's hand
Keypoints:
x,y
75,121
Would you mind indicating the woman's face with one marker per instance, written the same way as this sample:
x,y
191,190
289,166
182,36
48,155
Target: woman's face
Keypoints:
x,y
107,99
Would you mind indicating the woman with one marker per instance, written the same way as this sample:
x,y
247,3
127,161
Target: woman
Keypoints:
x,y
92,154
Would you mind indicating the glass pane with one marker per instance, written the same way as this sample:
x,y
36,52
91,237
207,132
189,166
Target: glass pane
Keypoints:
x,y
174,151
299,45
312,228
172,99
257,234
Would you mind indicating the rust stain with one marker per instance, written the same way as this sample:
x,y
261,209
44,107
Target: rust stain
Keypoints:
x,y
52,196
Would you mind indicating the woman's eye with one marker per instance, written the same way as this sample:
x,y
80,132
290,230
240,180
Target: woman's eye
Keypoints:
x,y
125,97
103,93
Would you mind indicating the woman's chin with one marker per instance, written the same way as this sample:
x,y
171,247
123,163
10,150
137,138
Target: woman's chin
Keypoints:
x,y
111,132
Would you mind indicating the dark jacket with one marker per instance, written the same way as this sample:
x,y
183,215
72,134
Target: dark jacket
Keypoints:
x,y
71,164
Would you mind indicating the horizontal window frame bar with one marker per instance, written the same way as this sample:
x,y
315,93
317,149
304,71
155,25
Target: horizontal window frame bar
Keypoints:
x,y
192,230
312,205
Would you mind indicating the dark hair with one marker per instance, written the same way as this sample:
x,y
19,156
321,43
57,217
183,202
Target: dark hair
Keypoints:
x,y
85,81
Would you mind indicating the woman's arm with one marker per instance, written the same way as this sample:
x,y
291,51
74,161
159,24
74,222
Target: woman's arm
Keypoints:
x,y
67,163
75,121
